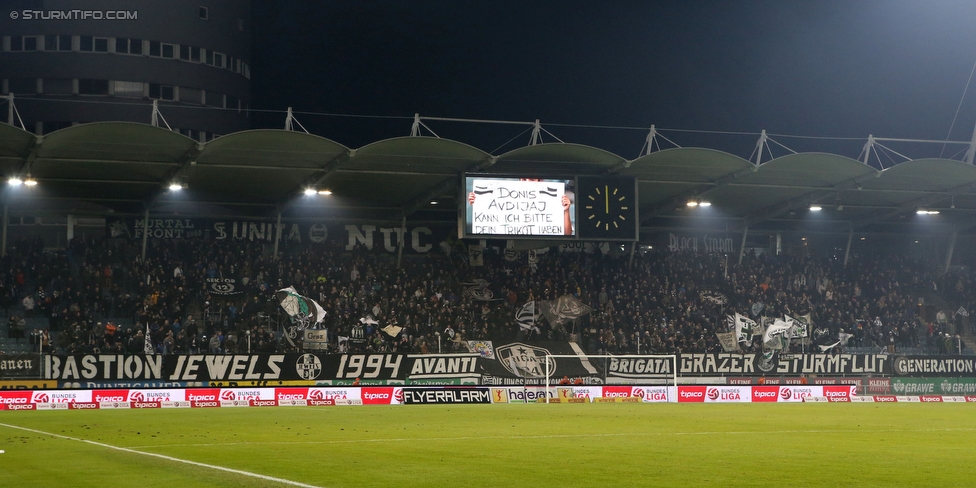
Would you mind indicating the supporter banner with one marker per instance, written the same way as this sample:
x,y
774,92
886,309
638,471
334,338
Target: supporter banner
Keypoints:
x,y
514,364
700,243
711,364
16,366
446,368
223,286
934,366
82,369
415,396
521,363
638,369
933,386
420,239
315,340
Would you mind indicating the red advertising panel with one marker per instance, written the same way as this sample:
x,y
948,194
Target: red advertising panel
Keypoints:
x,y
110,396
841,393
691,393
377,395
263,403
82,406
203,394
885,398
765,393
285,394
617,391
135,404
15,397
930,398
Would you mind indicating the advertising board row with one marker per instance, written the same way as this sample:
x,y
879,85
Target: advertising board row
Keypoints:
x,y
314,396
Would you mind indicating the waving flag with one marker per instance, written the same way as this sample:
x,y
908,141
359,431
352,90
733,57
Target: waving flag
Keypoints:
x,y
564,309
148,347
744,327
527,316
778,335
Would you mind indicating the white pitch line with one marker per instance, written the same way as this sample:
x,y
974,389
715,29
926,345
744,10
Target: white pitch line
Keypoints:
x,y
552,436
168,458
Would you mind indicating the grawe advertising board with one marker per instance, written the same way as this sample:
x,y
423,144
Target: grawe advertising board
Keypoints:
x,y
933,386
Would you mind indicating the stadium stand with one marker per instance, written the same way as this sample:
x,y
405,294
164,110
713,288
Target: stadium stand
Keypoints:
x,y
99,296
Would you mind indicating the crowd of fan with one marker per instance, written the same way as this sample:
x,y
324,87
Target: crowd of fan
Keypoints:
x,y
93,292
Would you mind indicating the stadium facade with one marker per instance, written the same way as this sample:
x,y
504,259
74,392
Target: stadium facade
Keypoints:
x,y
69,62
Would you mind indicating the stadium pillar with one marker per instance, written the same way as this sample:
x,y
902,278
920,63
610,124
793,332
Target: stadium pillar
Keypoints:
x,y
403,237
952,247
630,263
742,246
10,119
145,233
277,237
847,250
3,244
972,149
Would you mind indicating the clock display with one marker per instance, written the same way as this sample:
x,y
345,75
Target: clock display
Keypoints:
x,y
607,208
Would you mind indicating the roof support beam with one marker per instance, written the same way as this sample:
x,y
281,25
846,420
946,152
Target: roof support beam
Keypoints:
x,y
444,186
315,180
806,199
189,158
929,199
698,191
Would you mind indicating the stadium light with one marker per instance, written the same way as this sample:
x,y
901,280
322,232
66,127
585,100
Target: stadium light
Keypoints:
x,y
310,191
815,208
692,203
704,204
325,192
30,182
15,181
175,186
927,212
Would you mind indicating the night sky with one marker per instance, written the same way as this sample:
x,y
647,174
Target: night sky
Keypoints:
x,y
840,69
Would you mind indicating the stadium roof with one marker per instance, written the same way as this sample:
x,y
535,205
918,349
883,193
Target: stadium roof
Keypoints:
x,y
125,168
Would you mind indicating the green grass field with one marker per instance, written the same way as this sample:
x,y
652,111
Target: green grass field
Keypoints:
x,y
497,445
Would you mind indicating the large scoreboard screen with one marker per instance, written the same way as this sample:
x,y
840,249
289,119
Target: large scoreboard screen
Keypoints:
x,y
518,207
593,207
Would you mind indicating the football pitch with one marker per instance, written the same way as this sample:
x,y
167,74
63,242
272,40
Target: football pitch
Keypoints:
x,y
495,445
